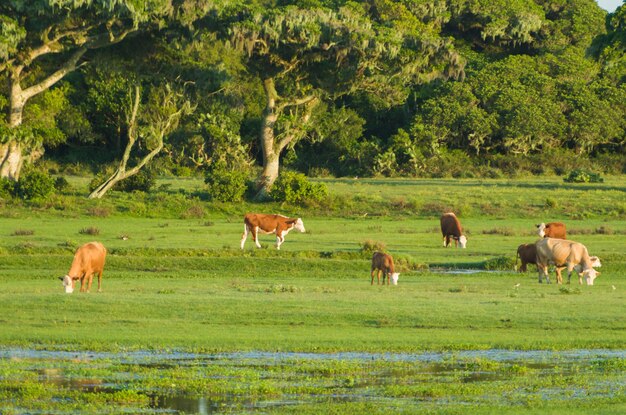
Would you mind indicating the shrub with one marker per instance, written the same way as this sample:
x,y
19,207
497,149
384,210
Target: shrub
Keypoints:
x,y
34,184
61,184
369,246
292,187
226,186
99,211
583,176
7,188
23,232
92,230
500,263
143,181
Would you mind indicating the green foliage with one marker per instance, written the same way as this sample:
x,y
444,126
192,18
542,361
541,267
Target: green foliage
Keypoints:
x,y
144,180
583,176
226,186
370,246
33,185
295,188
501,263
7,188
61,184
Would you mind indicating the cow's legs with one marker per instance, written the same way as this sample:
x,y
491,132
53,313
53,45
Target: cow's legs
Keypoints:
x,y
90,276
255,236
372,275
543,271
244,235
100,282
82,282
559,277
445,241
280,238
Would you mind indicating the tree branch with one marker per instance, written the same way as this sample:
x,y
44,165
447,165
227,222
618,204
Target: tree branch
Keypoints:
x,y
67,67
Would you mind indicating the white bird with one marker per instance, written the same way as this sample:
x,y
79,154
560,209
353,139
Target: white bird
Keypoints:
x,y
517,285
612,286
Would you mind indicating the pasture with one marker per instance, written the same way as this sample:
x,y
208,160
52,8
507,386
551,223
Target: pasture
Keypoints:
x,y
177,282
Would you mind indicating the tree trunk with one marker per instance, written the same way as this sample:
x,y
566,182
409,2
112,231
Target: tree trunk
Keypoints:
x,y
272,148
271,159
11,159
12,152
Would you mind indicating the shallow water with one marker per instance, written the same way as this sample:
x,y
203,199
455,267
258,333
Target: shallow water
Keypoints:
x,y
372,382
152,357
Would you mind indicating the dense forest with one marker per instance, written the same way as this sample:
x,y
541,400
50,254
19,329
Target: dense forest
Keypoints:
x,y
241,92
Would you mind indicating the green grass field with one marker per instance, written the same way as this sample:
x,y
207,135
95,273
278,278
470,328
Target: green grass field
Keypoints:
x,y
176,279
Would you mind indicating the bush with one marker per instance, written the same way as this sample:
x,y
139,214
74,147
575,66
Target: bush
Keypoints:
x,y
143,181
292,187
33,185
226,186
370,246
61,184
583,176
7,188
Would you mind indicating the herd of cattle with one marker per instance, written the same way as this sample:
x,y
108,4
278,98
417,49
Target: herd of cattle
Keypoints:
x,y
552,249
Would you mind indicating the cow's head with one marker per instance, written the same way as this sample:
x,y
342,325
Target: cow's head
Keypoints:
x,y
462,241
595,262
590,275
68,284
299,225
541,229
394,278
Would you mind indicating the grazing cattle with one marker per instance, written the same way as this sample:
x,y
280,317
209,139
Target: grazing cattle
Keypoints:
x,y
88,260
277,224
451,229
565,254
527,254
382,262
551,230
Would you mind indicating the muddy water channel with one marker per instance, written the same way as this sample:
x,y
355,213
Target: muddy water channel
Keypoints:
x,y
59,382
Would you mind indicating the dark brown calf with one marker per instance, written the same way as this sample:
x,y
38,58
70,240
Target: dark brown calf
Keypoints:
x,y
451,230
382,262
527,253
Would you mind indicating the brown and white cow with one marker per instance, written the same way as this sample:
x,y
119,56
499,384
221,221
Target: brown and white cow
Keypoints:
x,y
565,254
277,224
551,230
451,229
382,262
527,254
88,260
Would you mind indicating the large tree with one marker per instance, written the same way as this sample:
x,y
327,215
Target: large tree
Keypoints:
x,y
305,55
42,41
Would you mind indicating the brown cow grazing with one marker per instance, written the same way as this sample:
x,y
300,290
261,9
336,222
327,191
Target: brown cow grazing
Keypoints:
x,y
451,229
382,262
277,224
88,260
551,230
565,254
527,253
